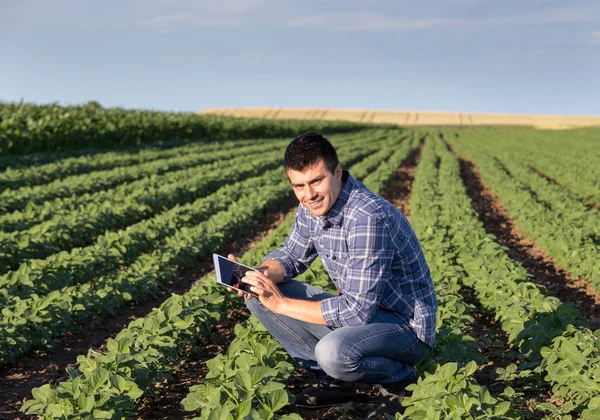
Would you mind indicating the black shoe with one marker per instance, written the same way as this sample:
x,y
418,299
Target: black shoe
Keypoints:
x,y
389,400
326,393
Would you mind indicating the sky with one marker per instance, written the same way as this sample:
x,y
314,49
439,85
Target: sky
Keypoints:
x,y
513,56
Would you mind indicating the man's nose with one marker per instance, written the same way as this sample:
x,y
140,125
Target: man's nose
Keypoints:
x,y
310,191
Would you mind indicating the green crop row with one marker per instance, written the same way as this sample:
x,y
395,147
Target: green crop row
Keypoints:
x,y
28,128
571,238
572,365
155,356
13,200
16,176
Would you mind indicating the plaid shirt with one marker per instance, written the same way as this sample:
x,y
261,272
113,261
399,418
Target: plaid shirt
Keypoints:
x,y
372,255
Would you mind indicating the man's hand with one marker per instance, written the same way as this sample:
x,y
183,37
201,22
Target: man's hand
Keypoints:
x,y
232,257
266,289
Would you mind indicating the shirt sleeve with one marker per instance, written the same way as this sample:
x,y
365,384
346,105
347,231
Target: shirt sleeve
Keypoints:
x,y
298,251
369,267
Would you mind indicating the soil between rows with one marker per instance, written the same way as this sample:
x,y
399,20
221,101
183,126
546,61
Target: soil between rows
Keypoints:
x,y
42,367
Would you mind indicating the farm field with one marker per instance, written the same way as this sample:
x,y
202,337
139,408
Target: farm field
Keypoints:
x,y
109,309
412,118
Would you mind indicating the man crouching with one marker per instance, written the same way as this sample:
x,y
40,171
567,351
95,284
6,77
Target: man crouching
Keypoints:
x,y
383,320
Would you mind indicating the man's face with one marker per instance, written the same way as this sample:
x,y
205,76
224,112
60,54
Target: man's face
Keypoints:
x,y
316,187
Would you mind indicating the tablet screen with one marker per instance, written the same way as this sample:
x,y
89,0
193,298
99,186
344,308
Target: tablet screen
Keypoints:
x,y
230,273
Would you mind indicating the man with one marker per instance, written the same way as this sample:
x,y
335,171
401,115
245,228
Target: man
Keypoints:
x,y
382,321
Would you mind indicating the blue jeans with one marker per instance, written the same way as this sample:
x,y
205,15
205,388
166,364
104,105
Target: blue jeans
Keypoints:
x,y
381,352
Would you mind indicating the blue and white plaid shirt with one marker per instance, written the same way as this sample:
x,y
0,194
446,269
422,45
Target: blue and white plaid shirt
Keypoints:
x,y
372,255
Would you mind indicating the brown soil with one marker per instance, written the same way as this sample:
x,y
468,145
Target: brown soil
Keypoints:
x,y
42,367
399,190
589,204
535,260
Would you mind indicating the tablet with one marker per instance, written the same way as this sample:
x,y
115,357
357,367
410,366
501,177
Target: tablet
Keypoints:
x,y
230,273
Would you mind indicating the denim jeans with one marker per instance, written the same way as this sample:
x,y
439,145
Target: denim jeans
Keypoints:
x,y
383,351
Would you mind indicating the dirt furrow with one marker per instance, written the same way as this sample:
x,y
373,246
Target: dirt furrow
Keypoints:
x,y
41,367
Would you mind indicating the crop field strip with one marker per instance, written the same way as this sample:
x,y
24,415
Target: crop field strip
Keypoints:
x,y
367,167
57,311
268,371
578,172
541,271
34,214
56,269
28,129
455,223
396,137
532,321
380,173
80,227
544,211
538,264
546,339
413,118
14,177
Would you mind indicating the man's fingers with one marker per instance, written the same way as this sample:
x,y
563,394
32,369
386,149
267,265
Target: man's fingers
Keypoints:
x,y
232,257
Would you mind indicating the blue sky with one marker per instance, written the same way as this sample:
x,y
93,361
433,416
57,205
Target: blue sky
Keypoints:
x,y
523,57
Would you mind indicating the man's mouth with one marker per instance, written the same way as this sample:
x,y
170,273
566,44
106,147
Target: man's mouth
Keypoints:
x,y
316,203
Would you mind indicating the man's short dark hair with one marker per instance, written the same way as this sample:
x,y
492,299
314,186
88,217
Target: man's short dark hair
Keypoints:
x,y
307,150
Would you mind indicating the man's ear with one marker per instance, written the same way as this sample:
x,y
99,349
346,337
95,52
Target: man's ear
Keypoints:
x,y
338,171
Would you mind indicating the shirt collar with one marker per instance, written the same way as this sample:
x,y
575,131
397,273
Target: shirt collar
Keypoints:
x,y
334,217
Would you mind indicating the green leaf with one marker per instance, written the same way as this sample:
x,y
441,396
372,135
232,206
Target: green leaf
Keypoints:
x,y
277,399
243,380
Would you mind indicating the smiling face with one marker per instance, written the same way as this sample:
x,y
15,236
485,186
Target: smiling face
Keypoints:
x,y
316,187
